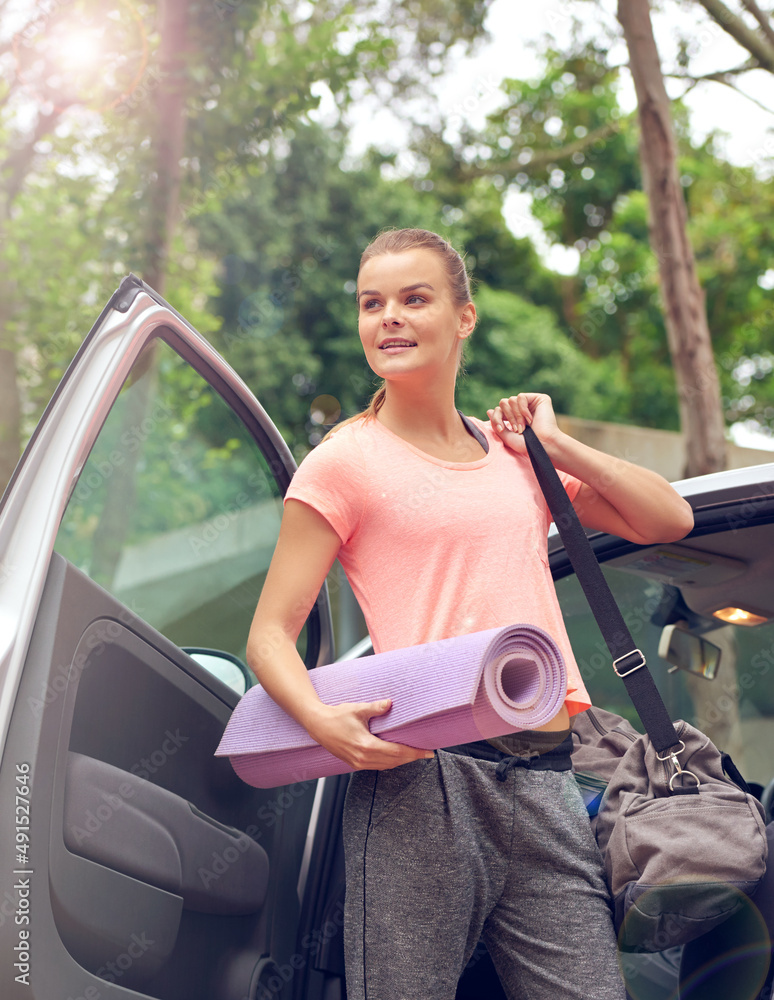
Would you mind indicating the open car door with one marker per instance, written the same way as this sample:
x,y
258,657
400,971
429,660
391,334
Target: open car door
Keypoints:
x,y
140,523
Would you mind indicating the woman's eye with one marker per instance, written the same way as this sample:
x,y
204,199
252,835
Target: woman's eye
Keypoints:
x,y
415,298
370,303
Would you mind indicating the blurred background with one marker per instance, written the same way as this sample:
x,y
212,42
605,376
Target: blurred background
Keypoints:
x,y
239,154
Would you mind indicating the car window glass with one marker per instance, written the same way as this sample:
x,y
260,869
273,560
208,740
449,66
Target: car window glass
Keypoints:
x,y
176,511
736,709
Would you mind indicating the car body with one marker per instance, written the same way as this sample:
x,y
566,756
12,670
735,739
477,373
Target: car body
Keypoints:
x,y
134,536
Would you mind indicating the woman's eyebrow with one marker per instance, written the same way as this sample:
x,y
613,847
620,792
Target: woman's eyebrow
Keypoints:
x,y
401,291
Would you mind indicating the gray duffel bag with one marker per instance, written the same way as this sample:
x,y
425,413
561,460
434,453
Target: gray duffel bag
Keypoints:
x,y
683,840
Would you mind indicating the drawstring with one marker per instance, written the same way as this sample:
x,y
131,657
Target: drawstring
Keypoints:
x,y
516,760
552,758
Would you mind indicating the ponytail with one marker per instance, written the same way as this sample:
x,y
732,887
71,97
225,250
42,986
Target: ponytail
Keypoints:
x,y
369,413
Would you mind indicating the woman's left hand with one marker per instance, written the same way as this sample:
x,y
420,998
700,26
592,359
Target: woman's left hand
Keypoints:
x,y
614,495
513,413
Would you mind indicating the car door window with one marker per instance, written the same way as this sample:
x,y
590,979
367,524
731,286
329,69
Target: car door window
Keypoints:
x,y
176,512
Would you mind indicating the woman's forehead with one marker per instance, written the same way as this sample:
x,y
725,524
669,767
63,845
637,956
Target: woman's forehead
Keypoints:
x,y
407,267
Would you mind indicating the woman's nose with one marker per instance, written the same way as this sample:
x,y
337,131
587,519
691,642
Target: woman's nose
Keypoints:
x,y
391,318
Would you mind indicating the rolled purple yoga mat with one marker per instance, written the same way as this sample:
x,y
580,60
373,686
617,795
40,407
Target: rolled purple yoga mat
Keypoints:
x,y
457,690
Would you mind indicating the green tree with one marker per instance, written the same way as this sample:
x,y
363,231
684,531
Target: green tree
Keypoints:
x,y
518,345
586,190
160,122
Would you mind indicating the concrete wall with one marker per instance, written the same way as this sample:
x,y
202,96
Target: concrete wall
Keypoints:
x,y
662,451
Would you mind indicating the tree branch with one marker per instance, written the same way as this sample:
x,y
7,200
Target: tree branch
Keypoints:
x,y
718,74
724,77
758,47
733,86
543,157
761,17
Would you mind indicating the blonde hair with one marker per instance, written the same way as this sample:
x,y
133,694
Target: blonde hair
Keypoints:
x,y
398,241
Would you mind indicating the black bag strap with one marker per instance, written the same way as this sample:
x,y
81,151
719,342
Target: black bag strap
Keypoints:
x,y
628,661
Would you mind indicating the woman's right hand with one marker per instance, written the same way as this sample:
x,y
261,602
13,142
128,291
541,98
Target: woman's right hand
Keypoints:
x,y
343,731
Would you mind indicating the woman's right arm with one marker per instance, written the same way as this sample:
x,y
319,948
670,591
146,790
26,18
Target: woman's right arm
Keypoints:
x,y
306,549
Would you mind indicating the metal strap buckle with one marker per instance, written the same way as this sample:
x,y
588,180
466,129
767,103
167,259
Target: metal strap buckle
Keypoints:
x,y
672,754
679,772
629,670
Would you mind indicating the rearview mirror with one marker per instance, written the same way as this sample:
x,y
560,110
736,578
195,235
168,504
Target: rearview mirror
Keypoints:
x,y
224,666
686,651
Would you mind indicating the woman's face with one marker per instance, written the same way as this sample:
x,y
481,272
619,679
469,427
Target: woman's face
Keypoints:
x,y
407,317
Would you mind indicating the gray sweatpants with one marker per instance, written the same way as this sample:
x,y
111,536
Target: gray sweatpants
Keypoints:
x,y
439,852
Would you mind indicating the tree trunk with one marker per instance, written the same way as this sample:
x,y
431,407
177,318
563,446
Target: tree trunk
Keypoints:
x,y
701,411
174,16
120,490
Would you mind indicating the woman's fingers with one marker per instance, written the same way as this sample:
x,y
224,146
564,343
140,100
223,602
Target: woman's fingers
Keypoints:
x,y
520,410
511,413
514,413
508,423
372,709
343,731
501,419
379,753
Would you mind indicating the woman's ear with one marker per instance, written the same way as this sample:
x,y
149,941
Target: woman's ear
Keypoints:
x,y
467,320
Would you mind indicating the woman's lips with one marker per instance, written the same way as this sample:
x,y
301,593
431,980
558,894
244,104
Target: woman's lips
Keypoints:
x,y
397,346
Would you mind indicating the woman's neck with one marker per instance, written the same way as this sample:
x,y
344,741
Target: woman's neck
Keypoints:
x,y
428,413
429,422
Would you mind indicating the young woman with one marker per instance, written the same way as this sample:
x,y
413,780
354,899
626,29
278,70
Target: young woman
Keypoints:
x,y
441,528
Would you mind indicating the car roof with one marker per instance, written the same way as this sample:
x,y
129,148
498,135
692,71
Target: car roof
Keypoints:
x,y
732,484
727,560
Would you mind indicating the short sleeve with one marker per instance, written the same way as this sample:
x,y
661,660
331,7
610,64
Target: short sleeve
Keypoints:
x,y
331,480
571,484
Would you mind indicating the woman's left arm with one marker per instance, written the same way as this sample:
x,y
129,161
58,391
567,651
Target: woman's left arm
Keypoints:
x,y
616,496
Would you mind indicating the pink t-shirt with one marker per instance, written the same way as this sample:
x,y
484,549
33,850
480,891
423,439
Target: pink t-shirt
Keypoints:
x,y
435,549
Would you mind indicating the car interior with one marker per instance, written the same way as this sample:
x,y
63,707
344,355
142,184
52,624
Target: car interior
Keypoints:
x,y
702,610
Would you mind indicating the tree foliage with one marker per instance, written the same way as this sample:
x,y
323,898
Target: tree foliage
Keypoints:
x,y
80,174
547,140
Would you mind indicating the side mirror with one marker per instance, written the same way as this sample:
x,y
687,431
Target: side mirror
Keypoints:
x,y
687,651
224,666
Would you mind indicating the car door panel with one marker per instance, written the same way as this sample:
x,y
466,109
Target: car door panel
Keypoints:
x,y
126,710
126,823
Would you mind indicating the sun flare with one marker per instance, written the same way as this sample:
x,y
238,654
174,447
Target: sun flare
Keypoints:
x,y
80,48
